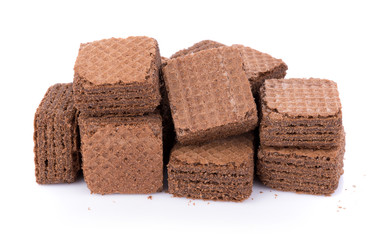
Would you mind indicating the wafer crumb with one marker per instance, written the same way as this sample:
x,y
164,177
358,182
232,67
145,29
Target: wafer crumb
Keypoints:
x,y
275,196
354,186
149,197
261,191
89,208
194,204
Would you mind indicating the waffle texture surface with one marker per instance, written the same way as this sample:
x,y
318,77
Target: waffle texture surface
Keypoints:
x,y
209,95
122,154
117,76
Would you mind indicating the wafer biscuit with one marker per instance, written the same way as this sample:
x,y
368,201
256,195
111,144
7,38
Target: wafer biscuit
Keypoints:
x,y
56,138
209,95
122,154
217,170
117,76
300,112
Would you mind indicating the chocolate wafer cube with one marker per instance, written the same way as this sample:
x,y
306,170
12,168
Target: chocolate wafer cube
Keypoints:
x,y
56,137
122,154
216,170
299,170
117,76
302,113
209,95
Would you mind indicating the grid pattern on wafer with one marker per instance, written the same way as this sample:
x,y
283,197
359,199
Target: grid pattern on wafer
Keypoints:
x,y
232,150
257,63
302,97
217,170
209,89
123,156
200,46
116,60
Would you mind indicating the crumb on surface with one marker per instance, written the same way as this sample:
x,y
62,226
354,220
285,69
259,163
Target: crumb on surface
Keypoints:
x,y
149,197
354,186
261,191
89,208
194,204
252,198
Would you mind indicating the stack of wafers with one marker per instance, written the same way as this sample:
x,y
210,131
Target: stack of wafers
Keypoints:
x,y
201,113
301,135
210,89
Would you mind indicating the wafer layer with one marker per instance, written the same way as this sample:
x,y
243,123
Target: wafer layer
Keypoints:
x,y
304,170
117,76
300,112
122,154
209,95
217,170
56,143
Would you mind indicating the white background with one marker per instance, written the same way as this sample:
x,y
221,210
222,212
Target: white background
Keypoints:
x,y
38,46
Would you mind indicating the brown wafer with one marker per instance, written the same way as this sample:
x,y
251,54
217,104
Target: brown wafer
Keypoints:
x,y
209,95
122,154
314,171
217,170
117,76
301,113
56,138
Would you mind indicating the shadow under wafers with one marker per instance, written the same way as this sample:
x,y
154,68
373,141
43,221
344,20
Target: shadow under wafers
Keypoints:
x,y
122,154
216,170
302,113
209,95
313,171
56,137
117,76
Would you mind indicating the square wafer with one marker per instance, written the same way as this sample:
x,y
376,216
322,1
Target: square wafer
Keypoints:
x,y
301,113
209,95
122,154
216,170
117,76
